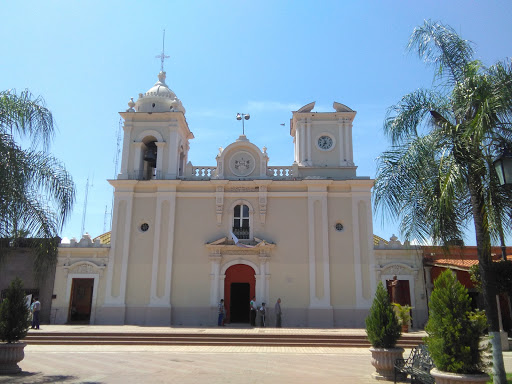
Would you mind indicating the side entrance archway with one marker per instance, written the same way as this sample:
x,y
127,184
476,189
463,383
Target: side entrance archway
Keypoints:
x,y
80,303
239,287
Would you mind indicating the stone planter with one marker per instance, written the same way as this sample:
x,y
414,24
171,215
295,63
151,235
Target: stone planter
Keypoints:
x,y
10,356
383,359
458,378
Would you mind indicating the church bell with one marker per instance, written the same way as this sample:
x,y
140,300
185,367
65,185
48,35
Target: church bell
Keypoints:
x,y
150,156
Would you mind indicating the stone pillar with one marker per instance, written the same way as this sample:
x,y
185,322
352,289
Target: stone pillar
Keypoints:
x,y
127,128
138,164
160,150
215,260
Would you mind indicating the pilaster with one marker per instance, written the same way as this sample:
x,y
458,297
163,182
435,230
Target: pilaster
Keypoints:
x,y
318,245
127,128
172,166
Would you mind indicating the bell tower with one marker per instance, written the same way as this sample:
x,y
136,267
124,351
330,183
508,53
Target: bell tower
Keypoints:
x,y
156,135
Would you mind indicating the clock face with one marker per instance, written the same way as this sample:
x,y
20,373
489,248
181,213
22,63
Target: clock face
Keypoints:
x,y
324,142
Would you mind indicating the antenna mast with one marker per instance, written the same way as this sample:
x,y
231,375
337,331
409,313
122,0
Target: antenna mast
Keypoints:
x,y
85,206
116,165
105,221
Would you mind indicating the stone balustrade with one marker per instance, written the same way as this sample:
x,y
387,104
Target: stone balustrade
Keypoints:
x,y
281,172
203,172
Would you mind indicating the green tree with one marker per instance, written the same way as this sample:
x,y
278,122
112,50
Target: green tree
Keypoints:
x,y
437,177
454,331
382,326
36,191
14,313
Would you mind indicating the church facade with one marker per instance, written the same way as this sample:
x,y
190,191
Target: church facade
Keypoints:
x,y
183,236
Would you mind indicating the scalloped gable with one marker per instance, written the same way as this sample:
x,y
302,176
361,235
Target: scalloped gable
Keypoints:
x,y
338,107
307,108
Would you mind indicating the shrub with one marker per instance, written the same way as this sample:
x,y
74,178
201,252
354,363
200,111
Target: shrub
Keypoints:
x,y
382,326
403,312
14,313
454,331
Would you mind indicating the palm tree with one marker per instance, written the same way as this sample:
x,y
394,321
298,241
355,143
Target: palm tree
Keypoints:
x,y
36,191
437,177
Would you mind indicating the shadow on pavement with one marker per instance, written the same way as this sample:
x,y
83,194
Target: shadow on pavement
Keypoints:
x,y
38,378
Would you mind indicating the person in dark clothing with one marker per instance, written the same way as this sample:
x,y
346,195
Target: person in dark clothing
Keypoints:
x,y
277,310
220,321
263,312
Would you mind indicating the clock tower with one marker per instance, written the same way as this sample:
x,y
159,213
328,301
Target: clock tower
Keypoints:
x,y
324,140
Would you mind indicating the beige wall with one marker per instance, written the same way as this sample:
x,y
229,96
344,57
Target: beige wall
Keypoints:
x,y
288,225
342,253
191,270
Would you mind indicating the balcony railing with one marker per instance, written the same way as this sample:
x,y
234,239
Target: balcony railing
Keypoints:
x,y
203,172
280,172
209,172
241,233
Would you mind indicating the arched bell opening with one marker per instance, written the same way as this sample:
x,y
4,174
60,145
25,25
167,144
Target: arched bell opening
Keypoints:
x,y
150,157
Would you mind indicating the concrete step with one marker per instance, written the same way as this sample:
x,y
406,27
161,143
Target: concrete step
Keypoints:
x,y
208,339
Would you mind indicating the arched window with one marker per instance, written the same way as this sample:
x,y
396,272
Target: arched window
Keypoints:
x,y
241,227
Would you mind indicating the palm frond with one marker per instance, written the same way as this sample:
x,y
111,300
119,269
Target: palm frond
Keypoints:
x,y
26,116
440,46
36,191
405,119
421,190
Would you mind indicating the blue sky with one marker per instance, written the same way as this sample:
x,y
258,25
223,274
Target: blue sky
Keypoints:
x,y
265,58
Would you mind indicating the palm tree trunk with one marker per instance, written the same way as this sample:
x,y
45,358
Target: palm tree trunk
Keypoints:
x,y
483,245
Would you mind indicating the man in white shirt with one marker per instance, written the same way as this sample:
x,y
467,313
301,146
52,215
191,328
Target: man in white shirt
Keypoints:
x,y
253,308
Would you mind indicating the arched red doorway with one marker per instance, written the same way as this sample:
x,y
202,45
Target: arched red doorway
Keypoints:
x,y
239,288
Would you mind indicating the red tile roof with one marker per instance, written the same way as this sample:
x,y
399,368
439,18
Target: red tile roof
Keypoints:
x,y
465,264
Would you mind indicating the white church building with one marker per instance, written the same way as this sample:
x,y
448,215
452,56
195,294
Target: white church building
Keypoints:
x,y
184,236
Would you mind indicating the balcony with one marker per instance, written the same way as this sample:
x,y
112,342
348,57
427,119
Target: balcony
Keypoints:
x,y
241,233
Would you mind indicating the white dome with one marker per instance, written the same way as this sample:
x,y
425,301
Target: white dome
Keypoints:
x,y
159,98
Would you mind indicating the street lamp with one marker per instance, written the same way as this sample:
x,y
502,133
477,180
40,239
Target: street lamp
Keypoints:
x,y
243,116
503,166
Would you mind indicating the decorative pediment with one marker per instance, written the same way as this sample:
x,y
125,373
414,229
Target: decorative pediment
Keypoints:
x,y
83,267
397,269
242,160
228,246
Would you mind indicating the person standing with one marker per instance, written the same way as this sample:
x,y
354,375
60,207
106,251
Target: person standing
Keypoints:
x,y
253,311
277,310
263,312
220,321
36,308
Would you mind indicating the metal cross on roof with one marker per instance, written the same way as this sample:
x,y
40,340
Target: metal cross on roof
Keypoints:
x,y
162,56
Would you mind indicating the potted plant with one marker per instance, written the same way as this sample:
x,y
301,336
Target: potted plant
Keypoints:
x,y
403,312
383,331
455,333
14,325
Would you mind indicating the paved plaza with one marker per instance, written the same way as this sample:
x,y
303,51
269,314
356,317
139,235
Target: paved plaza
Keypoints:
x,y
194,364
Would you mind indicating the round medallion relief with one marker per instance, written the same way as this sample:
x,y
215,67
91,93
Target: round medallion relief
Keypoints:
x,y
242,164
